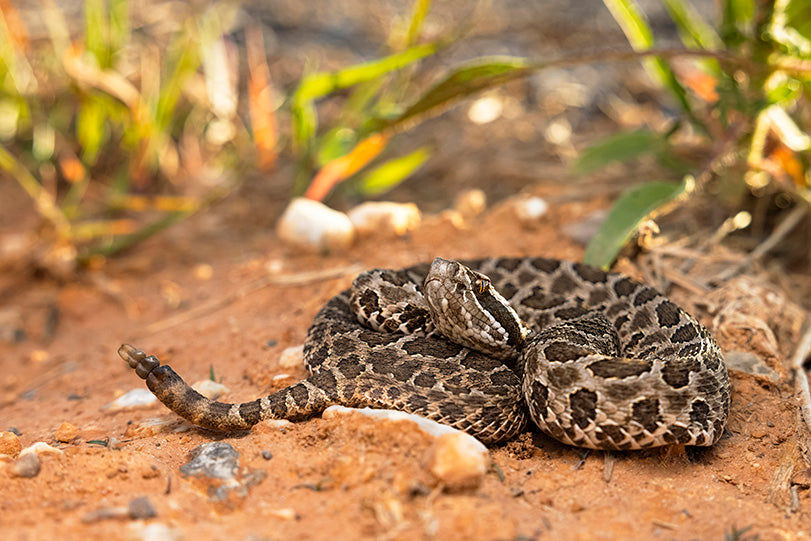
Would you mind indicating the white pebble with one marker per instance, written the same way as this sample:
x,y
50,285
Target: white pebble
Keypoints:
x,y
154,531
210,389
428,426
385,217
286,513
529,210
485,109
458,460
313,226
136,398
470,203
292,357
41,448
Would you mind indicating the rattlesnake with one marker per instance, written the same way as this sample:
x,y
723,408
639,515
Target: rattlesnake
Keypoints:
x,y
595,359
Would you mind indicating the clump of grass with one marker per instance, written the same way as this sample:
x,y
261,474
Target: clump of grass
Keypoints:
x,y
745,100
107,125
122,119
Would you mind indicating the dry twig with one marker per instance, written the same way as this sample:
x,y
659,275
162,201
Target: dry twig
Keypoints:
x,y
293,279
785,227
800,378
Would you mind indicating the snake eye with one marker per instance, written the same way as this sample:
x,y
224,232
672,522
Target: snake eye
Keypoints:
x,y
480,285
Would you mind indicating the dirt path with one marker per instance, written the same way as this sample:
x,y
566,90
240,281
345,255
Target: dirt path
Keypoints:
x,y
351,477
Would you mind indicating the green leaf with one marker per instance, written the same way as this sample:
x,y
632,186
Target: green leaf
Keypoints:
x,y
461,82
618,148
625,216
392,173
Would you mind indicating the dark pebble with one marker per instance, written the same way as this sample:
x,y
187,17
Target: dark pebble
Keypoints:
x,y
267,455
27,465
140,508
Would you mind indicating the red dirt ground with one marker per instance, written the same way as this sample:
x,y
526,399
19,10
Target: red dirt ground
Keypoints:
x,y
348,477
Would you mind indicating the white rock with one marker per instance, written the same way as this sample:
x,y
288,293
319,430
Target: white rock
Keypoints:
x,y
154,531
530,209
285,513
388,218
210,389
457,461
470,203
136,398
292,357
149,427
313,226
41,448
428,426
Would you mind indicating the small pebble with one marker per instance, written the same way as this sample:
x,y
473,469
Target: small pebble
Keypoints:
x,y
41,448
27,466
748,362
287,513
210,389
470,203
584,230
456,461
215,459
292,357
149,427
267,455
10,444
313,226
385,217
154,531
141,508
66,433
530,209
136,398
15,430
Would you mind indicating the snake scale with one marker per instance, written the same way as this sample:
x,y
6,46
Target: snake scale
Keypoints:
x,y
594,359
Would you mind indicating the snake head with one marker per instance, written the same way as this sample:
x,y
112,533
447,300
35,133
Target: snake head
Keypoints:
x,y
468,310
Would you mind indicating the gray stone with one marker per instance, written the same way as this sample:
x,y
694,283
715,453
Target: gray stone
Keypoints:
x,y
215,459
27,465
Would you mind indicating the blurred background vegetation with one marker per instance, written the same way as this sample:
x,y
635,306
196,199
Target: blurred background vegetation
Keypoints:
x,y
117,125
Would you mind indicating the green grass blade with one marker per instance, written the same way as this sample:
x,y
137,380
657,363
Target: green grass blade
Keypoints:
x,y
618,148
393,172
463,81
630,18
317,85
625,216
737,21
694,31
119,24
421,8
95,28
791,26
90,128
639,35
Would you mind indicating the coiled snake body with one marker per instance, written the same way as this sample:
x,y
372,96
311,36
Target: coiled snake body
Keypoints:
x,y
595,359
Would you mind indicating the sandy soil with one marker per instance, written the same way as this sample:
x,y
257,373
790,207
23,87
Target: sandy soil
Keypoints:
x,y
350,477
